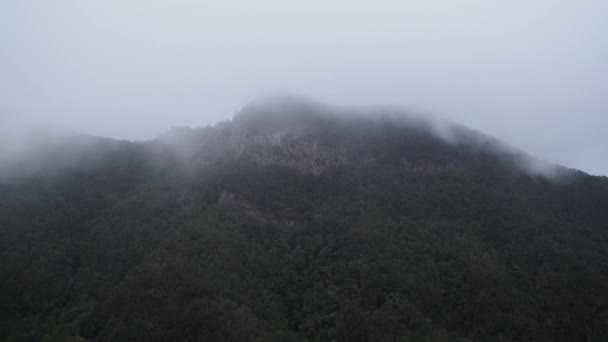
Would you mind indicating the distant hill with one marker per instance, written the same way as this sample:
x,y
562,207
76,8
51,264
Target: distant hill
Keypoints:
x,y
299,221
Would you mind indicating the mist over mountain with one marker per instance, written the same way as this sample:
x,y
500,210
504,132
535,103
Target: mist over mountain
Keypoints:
x,y
296,221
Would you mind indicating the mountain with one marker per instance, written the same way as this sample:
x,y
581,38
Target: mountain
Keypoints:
x,y
299,221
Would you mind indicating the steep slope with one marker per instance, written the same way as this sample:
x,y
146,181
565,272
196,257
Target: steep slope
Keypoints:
x,y
299,221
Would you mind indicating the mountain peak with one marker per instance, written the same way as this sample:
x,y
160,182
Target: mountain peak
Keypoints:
x,y
297,132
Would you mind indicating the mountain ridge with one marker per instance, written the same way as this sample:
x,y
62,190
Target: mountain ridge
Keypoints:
x,y
275,122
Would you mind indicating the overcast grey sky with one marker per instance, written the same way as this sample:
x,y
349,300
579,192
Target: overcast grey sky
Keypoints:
x,y
532,72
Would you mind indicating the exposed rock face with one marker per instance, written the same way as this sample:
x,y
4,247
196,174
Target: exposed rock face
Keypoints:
x,y
232,200
272,135
283,132
305,155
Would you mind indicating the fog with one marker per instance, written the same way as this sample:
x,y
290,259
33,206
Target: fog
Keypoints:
x,y
532,73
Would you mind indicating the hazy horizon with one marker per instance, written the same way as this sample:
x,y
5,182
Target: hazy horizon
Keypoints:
x,y
532,74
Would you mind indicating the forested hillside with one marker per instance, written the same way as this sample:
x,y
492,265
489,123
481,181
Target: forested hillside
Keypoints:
x,y
301,222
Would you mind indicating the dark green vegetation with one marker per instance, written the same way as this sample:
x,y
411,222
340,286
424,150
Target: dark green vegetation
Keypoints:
x,y
344,229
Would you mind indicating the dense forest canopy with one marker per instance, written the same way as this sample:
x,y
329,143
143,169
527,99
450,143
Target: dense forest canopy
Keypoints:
x,y
297,221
